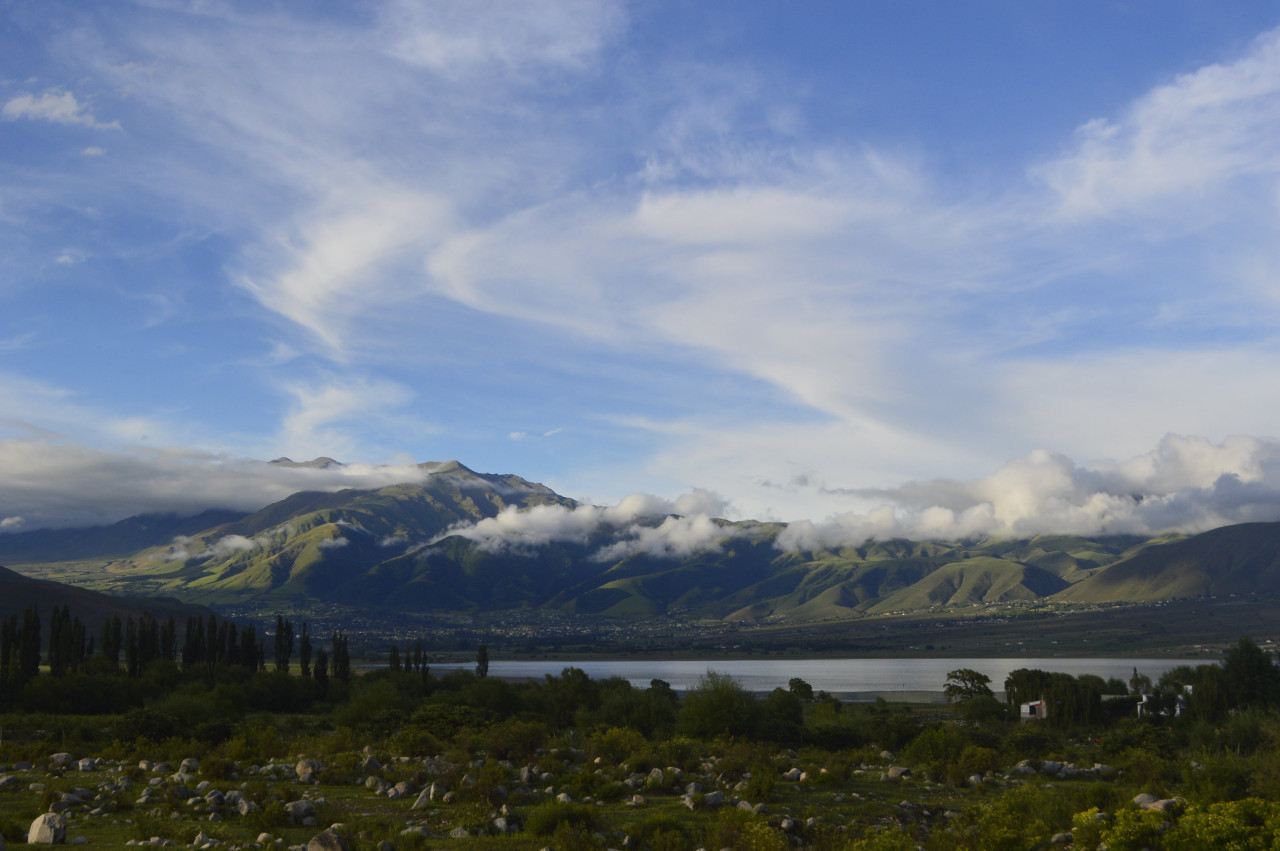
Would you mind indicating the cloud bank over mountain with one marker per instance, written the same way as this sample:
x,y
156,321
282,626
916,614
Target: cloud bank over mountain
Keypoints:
x,y
1185,484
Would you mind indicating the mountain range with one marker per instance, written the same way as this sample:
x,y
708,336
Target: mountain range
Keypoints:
x,y
418,547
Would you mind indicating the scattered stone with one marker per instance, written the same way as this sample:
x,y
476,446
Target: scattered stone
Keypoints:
x,y
792,775
459,833
503,825
190,765
48,829
1144,800
713,799
327,840
306,769
87,764
299,811
897,772
1061,839
564,798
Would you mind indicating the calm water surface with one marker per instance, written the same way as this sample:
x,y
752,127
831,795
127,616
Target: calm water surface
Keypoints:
x,y
841,676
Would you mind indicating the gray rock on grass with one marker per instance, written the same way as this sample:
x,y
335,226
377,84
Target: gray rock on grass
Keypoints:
x,y
327,840
48,829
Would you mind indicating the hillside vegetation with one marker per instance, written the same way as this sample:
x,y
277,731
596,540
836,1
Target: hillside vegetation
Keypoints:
x,y
407,547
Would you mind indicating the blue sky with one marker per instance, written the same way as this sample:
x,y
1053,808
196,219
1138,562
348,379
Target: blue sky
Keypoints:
x,y
808,257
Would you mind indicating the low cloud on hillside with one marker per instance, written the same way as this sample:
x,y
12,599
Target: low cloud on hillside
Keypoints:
x,y
639,523
1185,484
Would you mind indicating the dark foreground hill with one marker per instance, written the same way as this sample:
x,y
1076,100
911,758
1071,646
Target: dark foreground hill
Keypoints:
x,y
18,592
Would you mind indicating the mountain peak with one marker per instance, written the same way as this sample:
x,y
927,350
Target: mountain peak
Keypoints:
x,y
322,463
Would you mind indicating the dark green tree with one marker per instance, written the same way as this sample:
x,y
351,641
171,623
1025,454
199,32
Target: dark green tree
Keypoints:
x,y
965,683
284,643
482,661
304,651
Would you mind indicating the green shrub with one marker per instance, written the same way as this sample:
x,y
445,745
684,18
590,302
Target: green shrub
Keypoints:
x,y
743,831
616,744
546,819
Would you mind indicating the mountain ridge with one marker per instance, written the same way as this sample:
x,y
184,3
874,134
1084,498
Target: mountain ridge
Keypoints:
x,y
417,547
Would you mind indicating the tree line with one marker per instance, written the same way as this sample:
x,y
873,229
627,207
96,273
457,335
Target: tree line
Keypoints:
x,y
128,647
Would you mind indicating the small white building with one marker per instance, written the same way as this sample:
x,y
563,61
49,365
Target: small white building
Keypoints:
x,y
1033,711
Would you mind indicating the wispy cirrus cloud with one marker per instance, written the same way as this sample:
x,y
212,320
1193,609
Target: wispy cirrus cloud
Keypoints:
x,y
55,107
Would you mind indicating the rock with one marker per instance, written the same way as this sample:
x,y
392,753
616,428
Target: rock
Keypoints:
x,y
713,799
299,811
405,788
898,772
48,829
190,765
887,756
564,798
376,784
87,764
1060,839
370,764
244,806
327,840
307,768
792,775
459,833
975,779
656,776
693,788
788,825
1050,767
78,840
10,781
448,798
22,765
688,801
502,825
1144,800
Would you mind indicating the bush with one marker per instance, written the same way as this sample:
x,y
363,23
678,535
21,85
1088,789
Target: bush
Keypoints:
x,y
744,832
718,706
547,819
616,743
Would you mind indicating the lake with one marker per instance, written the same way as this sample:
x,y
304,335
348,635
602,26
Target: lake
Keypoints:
x,y
917,679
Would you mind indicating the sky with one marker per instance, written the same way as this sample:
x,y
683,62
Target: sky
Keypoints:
x,y
925,268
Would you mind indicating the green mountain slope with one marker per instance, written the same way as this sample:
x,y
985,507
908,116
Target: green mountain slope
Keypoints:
x,y
396,548
1241,559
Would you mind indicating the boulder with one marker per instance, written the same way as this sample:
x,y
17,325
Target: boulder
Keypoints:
x,y
793,775
307,768
190,765
48,829
298,811
713,799
327,840
897,772
1144,800
459,833
87,764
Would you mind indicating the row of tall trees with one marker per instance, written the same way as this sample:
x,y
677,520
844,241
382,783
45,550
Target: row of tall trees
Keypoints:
x,y
207,642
